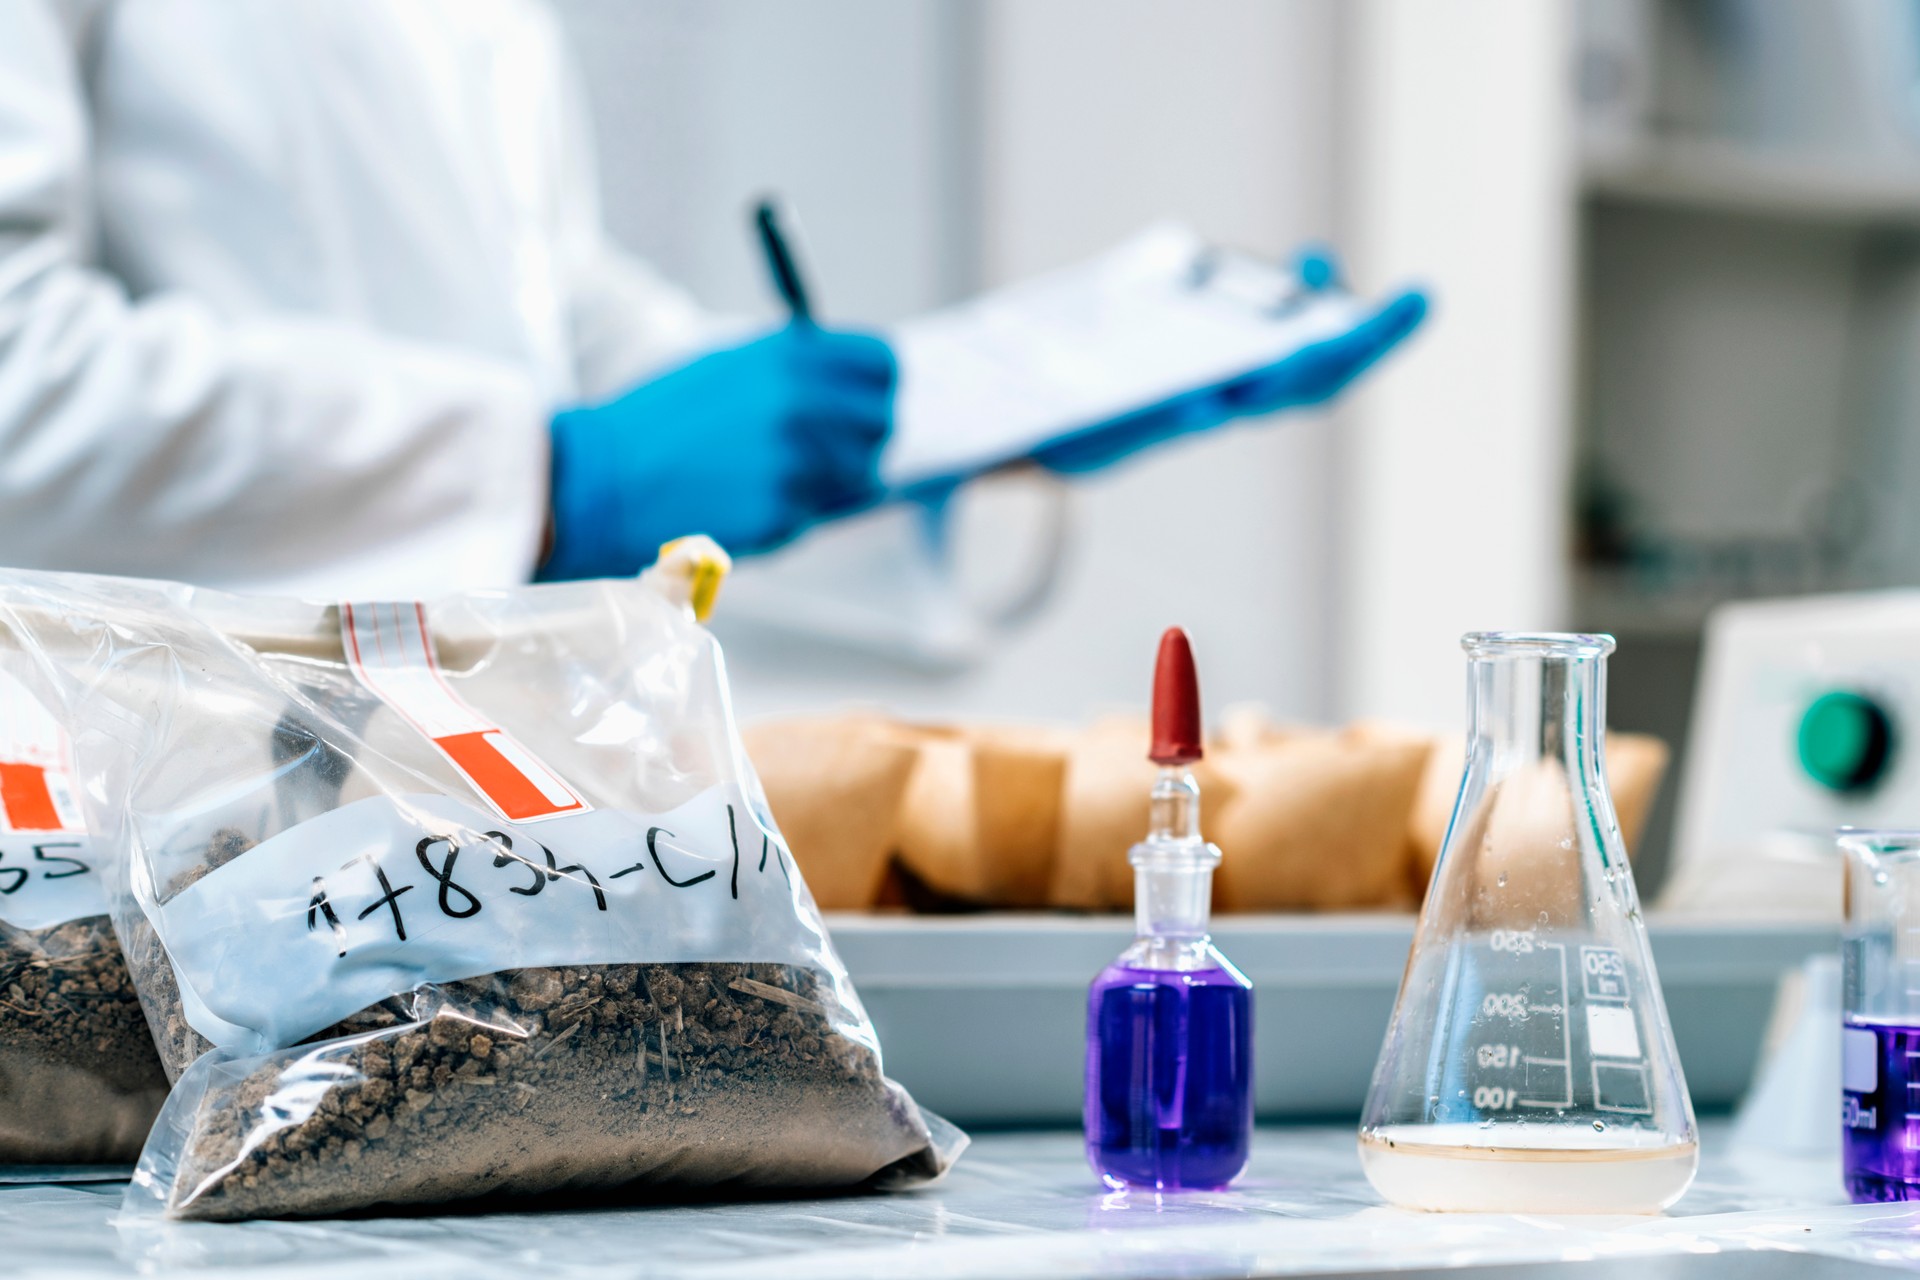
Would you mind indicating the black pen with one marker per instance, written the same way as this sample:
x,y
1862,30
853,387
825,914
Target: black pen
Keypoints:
x,y
786,274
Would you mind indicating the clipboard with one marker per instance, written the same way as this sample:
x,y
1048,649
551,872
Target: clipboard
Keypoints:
x,y
990,381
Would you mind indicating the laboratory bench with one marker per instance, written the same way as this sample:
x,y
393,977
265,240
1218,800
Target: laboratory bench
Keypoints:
x,y
1020,1204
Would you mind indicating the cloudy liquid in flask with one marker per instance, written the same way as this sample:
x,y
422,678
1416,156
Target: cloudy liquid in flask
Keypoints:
x,y
1458,1168
1549,1107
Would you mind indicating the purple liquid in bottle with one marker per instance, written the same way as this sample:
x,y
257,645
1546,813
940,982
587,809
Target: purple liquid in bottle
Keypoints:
x,y
1169,1096
1880,1152
1169,1100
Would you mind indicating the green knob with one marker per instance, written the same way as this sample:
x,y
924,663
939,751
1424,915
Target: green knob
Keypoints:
x,y
1846,741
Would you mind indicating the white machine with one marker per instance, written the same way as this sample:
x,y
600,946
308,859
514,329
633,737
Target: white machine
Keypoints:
x,y
1807,718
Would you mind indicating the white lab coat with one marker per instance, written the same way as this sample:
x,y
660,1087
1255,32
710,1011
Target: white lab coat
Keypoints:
x,y
290,288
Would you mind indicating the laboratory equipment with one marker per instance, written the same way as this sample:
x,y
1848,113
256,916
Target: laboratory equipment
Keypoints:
x,y
1529,1065
1801,725
1880,1016
1169,1083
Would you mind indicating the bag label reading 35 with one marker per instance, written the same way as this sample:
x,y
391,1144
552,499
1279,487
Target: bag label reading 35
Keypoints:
x,y
48,872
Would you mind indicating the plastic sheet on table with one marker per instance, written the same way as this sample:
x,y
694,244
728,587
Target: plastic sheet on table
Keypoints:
x,y
1019,1205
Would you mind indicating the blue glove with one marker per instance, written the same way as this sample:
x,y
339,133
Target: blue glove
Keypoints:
x,y
749,445
1308,376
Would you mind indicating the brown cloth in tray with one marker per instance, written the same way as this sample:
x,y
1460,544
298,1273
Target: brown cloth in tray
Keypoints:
x,y
1305,819
1636,762
835,785
1316,822
1104,811
1523,839
981,819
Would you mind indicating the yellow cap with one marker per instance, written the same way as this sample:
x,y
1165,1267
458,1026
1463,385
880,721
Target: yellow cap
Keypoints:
x,y
693,568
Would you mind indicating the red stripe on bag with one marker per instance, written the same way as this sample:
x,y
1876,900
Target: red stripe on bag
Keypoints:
x,y
28,801
391,652
505,783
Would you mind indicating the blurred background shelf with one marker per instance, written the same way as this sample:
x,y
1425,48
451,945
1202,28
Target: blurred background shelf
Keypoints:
x,y
1616,602
1741,179
1743,411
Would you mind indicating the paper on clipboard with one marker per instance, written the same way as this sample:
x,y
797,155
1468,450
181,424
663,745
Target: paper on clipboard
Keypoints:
x,y
994,378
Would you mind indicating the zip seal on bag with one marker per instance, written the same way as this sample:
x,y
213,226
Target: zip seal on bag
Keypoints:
x,y
391,653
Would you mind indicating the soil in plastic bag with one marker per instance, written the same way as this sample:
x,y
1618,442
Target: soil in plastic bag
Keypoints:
x,y
690,1076
642,1027
693,1075
79,1080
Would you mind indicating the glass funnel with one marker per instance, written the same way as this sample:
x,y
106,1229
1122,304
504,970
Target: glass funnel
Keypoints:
x,y
1529,1066
1880,1016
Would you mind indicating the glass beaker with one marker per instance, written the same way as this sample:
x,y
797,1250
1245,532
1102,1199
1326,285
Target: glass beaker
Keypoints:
x,y
1529,1066
1880,1016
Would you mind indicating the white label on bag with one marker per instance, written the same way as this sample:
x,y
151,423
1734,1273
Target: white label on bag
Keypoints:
x,y
376,897
390,650
49,880
48,873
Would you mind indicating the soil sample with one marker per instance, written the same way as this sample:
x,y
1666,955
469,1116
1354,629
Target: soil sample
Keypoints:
x,y
539,1049
684,1076
79,1080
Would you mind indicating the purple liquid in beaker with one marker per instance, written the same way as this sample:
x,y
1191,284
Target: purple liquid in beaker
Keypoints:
x,y
1169,1101
1880,1152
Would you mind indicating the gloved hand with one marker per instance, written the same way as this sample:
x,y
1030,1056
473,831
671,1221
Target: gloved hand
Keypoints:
x,y
749,445
1310,375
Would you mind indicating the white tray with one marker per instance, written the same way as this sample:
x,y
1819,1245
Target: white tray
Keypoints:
x,y
983,1017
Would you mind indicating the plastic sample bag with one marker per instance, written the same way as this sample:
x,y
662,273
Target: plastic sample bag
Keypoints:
x,y
470,898
79,1081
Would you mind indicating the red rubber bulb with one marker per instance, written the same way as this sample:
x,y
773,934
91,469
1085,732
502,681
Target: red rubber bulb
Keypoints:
x,y
1176,702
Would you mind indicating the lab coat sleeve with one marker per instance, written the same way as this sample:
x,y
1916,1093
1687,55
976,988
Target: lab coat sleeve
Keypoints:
x,y
628,322
153,437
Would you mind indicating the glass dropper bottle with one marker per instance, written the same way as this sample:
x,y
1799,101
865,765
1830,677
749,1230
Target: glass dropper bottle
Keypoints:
x,y
1169,1094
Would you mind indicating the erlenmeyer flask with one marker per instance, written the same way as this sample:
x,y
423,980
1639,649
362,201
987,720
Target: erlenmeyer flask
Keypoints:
x,y
1529,1066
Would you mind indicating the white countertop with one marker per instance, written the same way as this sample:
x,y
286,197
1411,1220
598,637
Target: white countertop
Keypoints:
x,y
1017,1205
